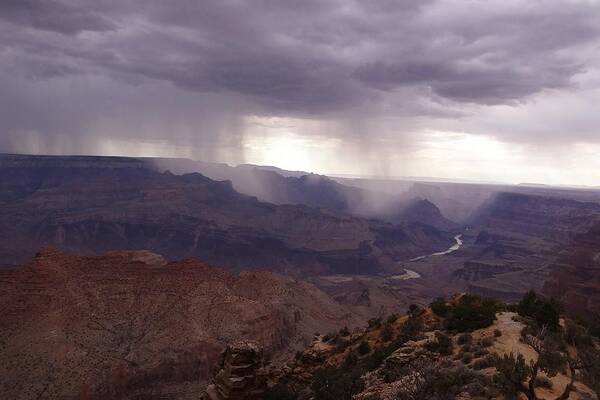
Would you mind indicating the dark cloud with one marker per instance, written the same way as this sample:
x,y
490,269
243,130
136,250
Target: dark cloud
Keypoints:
x,y
312,56
487,83
53,15
423,61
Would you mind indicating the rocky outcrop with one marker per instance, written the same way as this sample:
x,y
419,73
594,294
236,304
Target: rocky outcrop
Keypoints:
x,y
424,211
485,279
430,363
475,271
523,233
241,374
127,323
575,279
270,185
316,191
364,299
548,218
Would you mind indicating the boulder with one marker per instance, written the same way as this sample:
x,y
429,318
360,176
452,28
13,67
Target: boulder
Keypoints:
x,y
242,373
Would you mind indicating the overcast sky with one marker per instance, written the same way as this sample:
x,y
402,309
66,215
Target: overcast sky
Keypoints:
x,y
495,90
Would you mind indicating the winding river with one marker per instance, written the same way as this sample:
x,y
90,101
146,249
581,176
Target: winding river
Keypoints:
x,y
410,274
453,248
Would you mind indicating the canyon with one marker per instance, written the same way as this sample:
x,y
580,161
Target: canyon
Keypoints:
x,y
314,227
130,319
122,277
286,187
90,205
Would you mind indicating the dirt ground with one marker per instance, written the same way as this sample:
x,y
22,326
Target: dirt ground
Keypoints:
x,y
510,342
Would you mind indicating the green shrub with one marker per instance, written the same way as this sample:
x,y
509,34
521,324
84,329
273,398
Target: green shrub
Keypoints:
x,y
392,318
511,373
483,363
447,383
374,323
440,307
411,328
577,335
364,348
375,359
486,342
480,353
330,337
471,313
543,382
546,312
341,345
387,333
511,308
442,344
497,333
551,360
336,383
590,360
280,392
414,310
467,358
351,360
465,338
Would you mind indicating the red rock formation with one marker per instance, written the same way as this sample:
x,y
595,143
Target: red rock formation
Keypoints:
x,y
519,236
575,281
126,322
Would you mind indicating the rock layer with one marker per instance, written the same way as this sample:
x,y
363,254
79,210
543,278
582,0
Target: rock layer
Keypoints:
x,y
575,281
90,205
242,374
516,240
124,323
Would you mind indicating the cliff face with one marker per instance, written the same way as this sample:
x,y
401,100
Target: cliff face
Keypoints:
x,y
94,204
270,185
549,218
517,237
316,191
575,280
424,211
129,320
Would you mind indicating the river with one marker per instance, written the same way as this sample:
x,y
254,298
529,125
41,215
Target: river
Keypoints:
x,y
410,274
453,248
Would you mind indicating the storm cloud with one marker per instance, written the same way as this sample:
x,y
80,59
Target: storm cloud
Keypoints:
x,y
77,74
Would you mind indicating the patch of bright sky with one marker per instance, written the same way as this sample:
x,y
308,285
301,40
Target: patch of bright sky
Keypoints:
x,y
275,141
441,154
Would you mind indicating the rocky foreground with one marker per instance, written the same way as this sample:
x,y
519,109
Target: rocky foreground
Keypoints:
x,y
131,325
470,348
